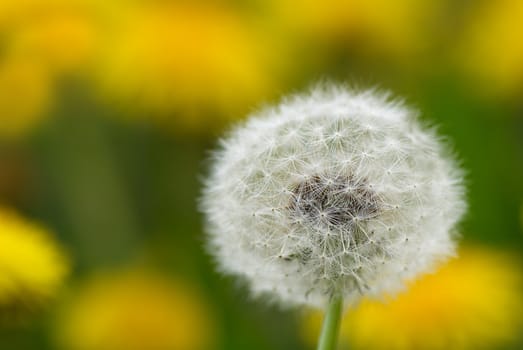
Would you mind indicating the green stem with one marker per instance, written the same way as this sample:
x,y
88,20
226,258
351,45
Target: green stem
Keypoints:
x,y
331,325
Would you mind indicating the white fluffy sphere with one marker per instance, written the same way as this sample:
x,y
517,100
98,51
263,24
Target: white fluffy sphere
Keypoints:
x,y
332,192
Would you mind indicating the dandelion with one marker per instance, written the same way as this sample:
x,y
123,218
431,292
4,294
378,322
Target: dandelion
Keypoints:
x,y
40,41
135,310
332,195
473,302
58,34
491,49
25,96
61,42
32,266
396,28
176,62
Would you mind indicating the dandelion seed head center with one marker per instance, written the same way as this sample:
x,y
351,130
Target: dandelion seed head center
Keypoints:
x,y
333,203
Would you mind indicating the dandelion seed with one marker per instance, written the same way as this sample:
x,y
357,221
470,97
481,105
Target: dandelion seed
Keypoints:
x,y
371,198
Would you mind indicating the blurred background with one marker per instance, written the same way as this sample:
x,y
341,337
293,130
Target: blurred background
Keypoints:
x,y
108,110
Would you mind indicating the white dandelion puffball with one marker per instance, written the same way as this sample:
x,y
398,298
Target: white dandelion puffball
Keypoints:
x,y
333,192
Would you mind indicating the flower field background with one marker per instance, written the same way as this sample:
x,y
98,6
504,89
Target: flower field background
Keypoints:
x,y
108,110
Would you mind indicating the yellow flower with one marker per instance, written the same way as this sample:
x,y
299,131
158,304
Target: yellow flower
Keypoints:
x,y
492,47
190,65
32,266
25,96
40,40
60,41
474,302
135,311
58,34
392,27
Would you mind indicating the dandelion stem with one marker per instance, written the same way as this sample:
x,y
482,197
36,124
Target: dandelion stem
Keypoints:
x,y
331,325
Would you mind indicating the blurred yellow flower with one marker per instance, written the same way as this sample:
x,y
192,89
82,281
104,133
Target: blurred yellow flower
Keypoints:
x,y
32,266
40,41
473,302
393,27
62,42
135,311
58,34
492,47
190,65
25,96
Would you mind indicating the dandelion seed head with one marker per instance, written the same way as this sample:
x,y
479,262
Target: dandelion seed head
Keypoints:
x,y
332,192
